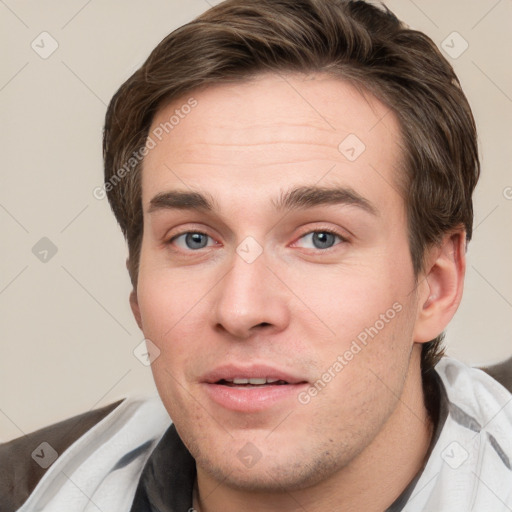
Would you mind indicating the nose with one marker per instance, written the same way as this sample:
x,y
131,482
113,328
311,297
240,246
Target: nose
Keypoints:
x,y
250,299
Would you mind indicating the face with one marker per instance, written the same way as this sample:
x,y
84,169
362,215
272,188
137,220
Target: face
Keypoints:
x,y
275,276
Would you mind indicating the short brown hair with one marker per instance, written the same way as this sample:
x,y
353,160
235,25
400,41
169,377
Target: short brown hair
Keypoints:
x,y
354,40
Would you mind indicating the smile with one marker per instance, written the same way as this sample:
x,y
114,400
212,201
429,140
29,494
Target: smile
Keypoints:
x,y
253,388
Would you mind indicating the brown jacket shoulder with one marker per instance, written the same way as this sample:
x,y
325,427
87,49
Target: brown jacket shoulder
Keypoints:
x,y
23,461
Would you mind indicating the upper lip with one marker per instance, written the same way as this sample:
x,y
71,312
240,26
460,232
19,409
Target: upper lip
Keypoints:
x,y
232,371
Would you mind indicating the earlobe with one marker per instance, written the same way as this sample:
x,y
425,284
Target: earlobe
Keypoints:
x,y
134,304
442,286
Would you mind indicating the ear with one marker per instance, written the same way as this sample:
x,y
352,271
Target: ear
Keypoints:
x,y
441,286
134,301
134,304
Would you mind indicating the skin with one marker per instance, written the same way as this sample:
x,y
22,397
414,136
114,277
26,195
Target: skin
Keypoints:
x,y
357,443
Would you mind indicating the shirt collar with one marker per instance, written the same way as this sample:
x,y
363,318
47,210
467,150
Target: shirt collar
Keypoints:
x,y
167,480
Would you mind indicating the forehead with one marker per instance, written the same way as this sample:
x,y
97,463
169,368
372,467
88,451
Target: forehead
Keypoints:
x,y
269,132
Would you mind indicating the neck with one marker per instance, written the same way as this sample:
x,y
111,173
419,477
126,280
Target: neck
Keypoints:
x,y
371,482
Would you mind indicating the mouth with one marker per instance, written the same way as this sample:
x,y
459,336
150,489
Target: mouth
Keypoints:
x,y
251,382
252,389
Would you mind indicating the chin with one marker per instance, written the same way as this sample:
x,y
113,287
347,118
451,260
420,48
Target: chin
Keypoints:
x,y
270,473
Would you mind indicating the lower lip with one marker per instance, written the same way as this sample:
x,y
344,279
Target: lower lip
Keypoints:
x,y
253,399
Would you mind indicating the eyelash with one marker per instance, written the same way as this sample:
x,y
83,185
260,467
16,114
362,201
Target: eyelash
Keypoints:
x,y
188,232
319,230
325,230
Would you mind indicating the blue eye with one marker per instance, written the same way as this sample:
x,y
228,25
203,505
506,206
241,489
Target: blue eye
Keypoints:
x,y
191,240
321,239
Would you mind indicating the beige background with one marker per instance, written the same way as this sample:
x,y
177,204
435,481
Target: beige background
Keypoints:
x,y
67,335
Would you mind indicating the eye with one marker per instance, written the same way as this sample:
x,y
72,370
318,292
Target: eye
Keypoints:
x,y
192,240
323,239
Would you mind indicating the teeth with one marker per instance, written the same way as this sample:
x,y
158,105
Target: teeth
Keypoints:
x,y
253,381
256,382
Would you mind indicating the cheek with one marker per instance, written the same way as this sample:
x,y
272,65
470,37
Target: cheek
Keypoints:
x,y
166,300
170,311
346,300
366,312
163,306
158,305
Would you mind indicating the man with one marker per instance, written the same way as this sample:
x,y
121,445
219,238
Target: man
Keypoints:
x,y
294,182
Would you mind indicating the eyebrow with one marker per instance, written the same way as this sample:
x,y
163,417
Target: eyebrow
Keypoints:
x,y
311,196
297,198
180,200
